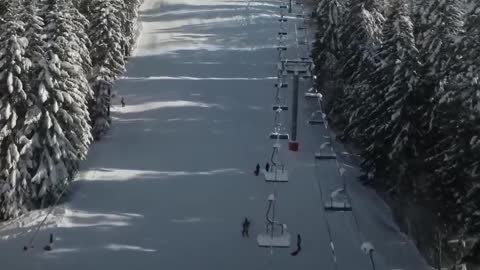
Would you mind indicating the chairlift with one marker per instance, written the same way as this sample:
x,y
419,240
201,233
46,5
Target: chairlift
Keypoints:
x,y
278,128
282,19
281,85
279,135
282,33
317,118
283,6
301,42
313,93
326,152
277,172
282,107
339,201
275,234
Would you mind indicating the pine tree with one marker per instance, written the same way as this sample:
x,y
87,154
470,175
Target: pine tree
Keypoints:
x,y
107,58
443,21
327,47
3,8
361,36
389,123
14,101
129,23
58,122
80,26
361,31
33,25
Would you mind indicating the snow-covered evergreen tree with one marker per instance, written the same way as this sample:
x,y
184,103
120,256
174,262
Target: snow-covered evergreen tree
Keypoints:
x,y
107,58
389,124
14,102
3,8
129,23
33,25
80,25
58,123
442,21
361,35
327,46
361,31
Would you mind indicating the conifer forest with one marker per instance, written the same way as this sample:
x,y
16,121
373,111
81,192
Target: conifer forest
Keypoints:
x,y
399,80
407,96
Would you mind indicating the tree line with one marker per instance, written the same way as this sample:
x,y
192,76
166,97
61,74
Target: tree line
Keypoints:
x,y
58,60
409,99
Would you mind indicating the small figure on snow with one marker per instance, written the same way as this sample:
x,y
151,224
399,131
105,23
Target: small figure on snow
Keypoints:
x,y
267,167
245,227
49,246
257,169
299,246
123,102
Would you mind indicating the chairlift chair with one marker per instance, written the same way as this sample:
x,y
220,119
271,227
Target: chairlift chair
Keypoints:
x,y
280,103
313,93
301,42
281,85
275,234
277,106
279,135
326,152
277,172
339,201
317,118
278,128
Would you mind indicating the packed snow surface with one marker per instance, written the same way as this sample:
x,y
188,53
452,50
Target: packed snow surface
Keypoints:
x,y
169,186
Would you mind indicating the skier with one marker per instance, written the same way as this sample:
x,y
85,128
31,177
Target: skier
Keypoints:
x,y
299,246
245,227
49,246
123,102
257,169
267,167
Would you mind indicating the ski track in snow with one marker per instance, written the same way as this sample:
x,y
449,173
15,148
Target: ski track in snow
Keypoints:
x,y
169,186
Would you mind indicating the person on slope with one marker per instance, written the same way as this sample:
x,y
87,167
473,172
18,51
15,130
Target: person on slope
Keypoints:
x,y
267,167
299,246
245,227
257,169
123,102
49,246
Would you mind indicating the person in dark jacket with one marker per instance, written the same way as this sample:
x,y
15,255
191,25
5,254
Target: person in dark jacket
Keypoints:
x,y
257,169
123,102
299,246
245,227
267,167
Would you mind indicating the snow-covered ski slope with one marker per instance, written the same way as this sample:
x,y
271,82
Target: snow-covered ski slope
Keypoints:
x,y
169,187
